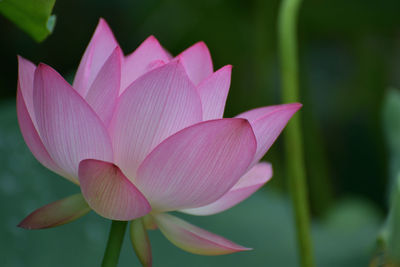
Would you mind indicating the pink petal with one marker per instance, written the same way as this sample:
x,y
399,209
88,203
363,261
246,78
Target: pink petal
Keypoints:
x,y
152,108
255,178
194,239
68,127
213,92
137,63
32,138
109,193
26,72
197,165
57,213
99,49
103,93
197,62
140,242
267,124
26,124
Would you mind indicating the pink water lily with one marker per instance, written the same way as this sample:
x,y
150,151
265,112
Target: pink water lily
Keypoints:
x,y
143,135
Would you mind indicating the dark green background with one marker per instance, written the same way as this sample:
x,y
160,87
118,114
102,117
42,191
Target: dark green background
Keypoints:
x,y
349,54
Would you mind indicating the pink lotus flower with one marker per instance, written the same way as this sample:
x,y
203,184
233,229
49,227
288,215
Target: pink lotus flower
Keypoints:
x,y
143,135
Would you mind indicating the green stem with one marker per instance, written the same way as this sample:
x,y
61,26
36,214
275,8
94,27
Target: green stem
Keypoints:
x,y
114,244
293,134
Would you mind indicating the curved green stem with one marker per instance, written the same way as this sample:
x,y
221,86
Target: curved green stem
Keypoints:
x,y
114,244
293,134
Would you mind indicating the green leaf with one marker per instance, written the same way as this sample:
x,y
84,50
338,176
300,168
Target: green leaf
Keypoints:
x,y
393,226
391,127
389,238
32,16
391,119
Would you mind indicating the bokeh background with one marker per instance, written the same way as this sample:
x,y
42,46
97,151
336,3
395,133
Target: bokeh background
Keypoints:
x,y
349,57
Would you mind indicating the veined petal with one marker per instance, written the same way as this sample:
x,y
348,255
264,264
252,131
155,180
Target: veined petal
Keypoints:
x,y
197,165
32,138
68,127
267,124
213,92
137,63
194,239
103,92
57,213
98,51
26,71
152,108
255,178
197,62
109,193
140,242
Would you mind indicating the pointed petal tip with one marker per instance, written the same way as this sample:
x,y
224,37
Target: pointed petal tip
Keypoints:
x,y
103,23
152,38
193,239
227,67
197,61
200,44
295,106
56,214
291,108
41,67
23,225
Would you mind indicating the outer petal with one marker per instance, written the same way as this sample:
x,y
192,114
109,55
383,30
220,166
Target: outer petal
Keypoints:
x,y
197,165
103,93
197,62
109,192
68,127
28,129
194,239
155,106
268,123
246,186
138,63
99,49
140,242
213,92
32,138
26,72
57,213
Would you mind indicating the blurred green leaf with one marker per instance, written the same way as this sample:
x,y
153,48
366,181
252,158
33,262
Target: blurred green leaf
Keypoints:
x,y
389,238
391,119
32,16
392,229
391,127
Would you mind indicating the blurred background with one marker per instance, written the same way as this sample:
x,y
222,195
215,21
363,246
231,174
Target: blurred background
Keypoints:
x,y
349,57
